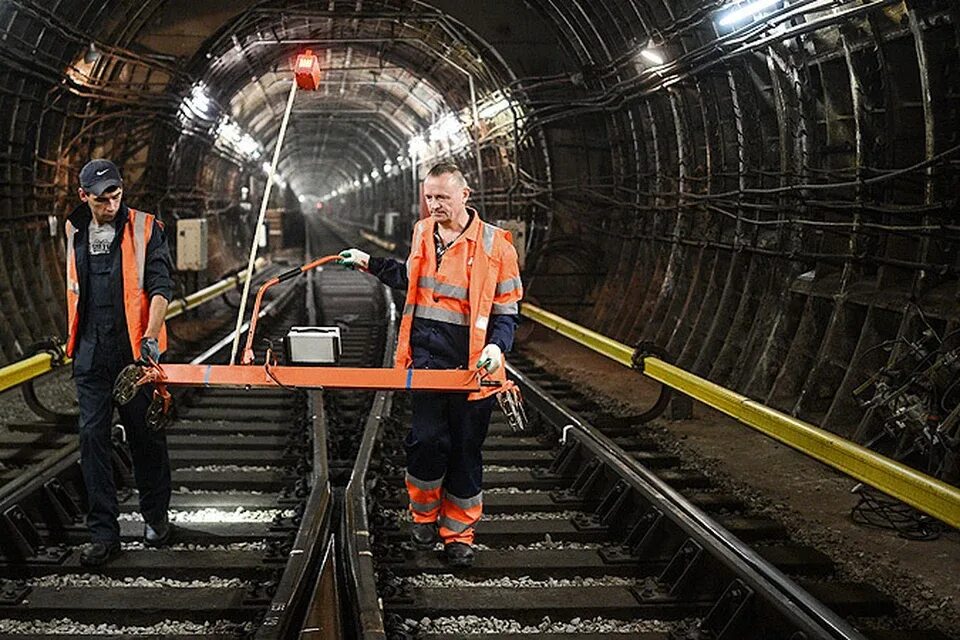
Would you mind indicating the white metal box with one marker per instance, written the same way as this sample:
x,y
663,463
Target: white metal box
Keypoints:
x,y
312,345
192,244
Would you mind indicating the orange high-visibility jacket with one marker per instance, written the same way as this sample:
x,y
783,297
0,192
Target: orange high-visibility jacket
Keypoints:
x,y
464,292
135,237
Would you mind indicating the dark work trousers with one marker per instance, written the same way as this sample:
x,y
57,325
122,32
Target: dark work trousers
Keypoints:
x,y
445,440
98,359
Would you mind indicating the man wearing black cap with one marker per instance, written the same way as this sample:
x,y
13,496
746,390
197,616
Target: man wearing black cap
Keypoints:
x,y
118,286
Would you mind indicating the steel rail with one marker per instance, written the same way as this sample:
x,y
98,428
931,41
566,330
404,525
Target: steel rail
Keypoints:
x,y
361,584
925,493
789,599
17,373
67,455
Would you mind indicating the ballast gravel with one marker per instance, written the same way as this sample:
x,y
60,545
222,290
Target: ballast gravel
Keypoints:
x,y
251,547
510,490
504,468
186,491
401,514
139,582
447,580
469,625
211,514
233,468
68,627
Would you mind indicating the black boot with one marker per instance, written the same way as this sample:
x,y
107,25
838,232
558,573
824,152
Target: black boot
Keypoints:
x,y
459,554
424,534
95,554
157,535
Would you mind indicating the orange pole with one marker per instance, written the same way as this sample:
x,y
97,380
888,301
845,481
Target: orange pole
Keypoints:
x,y
200,375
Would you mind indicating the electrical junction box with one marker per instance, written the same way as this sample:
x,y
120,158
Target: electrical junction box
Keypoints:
x,y
312,346
518,233
192,244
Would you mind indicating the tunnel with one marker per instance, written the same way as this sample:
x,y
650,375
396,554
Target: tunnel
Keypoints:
x,y
764,190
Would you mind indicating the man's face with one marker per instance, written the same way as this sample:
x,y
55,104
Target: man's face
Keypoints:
x,y
446,199
105,206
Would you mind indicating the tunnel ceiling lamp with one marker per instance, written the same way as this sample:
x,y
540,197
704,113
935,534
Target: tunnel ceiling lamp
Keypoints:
x,y
743,12
652,56
418,146
302,198
493,106
92,54
232,137
199,101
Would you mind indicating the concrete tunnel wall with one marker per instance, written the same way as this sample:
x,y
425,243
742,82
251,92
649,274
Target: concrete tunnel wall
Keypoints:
x,y
771,203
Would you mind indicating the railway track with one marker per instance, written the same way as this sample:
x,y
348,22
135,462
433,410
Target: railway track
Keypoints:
x,y
590,530
290,510
251,508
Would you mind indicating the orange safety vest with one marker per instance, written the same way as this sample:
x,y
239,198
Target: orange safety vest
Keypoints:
x,y
472,283
136,304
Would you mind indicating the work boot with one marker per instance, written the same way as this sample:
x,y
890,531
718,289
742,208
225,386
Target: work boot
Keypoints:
x,y
157,535
424,534
95,554
459,554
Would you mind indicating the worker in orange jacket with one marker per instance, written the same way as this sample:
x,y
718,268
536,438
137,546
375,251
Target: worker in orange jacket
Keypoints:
x,y
118,286
463,289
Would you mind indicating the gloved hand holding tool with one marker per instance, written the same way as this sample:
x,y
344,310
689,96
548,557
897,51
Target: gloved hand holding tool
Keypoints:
x,y
491,358
354,258
149,350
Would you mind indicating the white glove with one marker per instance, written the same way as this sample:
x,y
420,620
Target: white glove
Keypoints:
x,y
490,358
354,258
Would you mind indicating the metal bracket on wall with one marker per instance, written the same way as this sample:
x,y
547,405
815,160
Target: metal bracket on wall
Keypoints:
x,y
680,405
55,348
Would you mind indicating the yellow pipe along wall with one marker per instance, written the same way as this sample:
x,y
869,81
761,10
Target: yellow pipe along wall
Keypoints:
x,y
925,493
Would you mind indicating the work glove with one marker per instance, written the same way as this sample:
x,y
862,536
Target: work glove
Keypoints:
x,y
149,348
353,258
490,358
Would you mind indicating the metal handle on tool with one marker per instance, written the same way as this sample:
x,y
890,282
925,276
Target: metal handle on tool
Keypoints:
x,y
283,277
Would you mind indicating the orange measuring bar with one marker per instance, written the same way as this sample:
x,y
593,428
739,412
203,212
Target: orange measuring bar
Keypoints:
x,y
278,376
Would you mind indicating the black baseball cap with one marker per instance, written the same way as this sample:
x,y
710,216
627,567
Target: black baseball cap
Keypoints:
x,y
99,175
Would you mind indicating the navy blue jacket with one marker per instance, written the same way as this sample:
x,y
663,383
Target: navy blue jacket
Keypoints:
x,y
441,345
156,275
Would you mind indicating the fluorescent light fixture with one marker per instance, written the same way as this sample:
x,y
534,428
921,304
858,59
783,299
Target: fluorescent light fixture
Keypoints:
x,y
248,146
745,11
199,100
652,55
302,198
493,109
417,146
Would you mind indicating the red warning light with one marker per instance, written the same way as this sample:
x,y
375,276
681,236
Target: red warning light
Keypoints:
x,y
319,206
307,71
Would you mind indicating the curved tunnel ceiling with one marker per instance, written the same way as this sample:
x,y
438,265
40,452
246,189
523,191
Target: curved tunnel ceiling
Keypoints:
x,y
388,73
770,194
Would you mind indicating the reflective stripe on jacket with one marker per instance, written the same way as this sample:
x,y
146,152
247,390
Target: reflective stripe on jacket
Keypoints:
x,y
135,236
479,276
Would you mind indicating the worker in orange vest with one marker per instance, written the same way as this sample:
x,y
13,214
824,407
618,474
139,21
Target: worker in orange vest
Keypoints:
x,y
118,287
463,289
